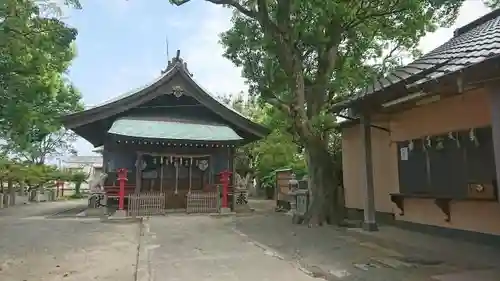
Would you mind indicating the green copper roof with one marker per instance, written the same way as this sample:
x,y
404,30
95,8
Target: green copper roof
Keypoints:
x,y
174,129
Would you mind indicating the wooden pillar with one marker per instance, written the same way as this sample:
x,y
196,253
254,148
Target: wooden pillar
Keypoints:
x,y
138,174
230,165
176,164
369,223
211,170
190,174
495,129
161,173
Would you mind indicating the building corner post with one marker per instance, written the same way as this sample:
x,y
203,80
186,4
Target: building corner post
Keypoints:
x,y
369,223
494,92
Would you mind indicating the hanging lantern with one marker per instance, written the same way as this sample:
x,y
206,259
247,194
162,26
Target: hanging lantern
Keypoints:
x,y
142,164
473,137
161,160
451,136
428,142
439,143
203,164
411,145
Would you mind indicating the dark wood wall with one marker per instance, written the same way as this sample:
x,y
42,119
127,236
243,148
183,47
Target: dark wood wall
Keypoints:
x,y
449,167
121,155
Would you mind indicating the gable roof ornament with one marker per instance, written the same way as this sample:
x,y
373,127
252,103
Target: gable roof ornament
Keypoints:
x,y
177,60
177,91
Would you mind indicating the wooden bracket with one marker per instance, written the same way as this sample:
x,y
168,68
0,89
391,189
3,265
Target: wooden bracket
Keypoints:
x,y
399,201
444,206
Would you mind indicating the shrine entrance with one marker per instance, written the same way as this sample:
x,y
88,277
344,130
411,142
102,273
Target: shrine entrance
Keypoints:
x,y
175,175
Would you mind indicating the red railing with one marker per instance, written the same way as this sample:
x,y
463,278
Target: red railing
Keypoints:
x,y
114,190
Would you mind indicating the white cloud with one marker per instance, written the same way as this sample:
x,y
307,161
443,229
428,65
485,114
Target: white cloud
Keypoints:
x,y
203,54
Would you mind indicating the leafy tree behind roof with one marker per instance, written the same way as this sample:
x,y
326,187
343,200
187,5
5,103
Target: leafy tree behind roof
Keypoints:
x,y
301,56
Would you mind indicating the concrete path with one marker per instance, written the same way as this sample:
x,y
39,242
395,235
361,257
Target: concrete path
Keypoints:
x,y
354,255
193,248
33,247
40,209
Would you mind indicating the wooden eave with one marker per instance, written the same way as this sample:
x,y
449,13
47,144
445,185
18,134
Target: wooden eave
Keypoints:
x,y
458,61
143,95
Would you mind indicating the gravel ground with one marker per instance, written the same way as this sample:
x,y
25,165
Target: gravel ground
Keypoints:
x,y
33,247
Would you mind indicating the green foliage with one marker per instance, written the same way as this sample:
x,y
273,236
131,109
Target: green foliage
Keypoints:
x,y
35,52
34,176
37,152
494,4
78,178
276,151
303,56
339,45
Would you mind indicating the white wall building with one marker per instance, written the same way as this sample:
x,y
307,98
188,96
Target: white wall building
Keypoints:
x,y
91,165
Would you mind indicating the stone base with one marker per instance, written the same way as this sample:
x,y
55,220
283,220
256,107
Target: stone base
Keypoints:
x,y
119,214
94,212
242,209
370,226
225,210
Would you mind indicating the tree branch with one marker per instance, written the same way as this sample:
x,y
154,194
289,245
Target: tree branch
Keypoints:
x,y
247,12
363,16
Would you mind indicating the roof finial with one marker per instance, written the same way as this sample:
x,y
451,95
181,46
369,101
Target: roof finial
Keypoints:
x,y
178,55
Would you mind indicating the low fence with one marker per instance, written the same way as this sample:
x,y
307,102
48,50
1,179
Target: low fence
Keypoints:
x,y
202,202
21,198
146,204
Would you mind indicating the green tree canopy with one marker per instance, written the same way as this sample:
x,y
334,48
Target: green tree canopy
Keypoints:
x,y
278,150
302,56
35,52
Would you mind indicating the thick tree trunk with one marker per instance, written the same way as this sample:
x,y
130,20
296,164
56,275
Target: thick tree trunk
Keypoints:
x,y
325,202
12,193
78,186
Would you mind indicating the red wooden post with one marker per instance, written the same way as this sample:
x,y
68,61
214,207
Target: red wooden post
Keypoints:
x,y
122,178
59,186
225,186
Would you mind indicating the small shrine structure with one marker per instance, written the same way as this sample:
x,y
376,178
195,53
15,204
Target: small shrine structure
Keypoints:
x,y
171,136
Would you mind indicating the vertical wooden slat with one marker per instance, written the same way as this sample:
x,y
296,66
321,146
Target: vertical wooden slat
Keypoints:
x,y
202,202
147,204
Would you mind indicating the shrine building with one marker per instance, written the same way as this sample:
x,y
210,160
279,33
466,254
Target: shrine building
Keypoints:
x,y
171,135
421,146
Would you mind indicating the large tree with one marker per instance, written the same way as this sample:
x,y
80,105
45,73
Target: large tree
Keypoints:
x,y
278,150
303,55
36,49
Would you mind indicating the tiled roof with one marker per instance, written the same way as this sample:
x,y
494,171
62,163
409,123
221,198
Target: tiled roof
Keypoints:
x,y
84,159
471,44
173,129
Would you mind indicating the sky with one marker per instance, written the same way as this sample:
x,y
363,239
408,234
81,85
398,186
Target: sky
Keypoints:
x,y
122,45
